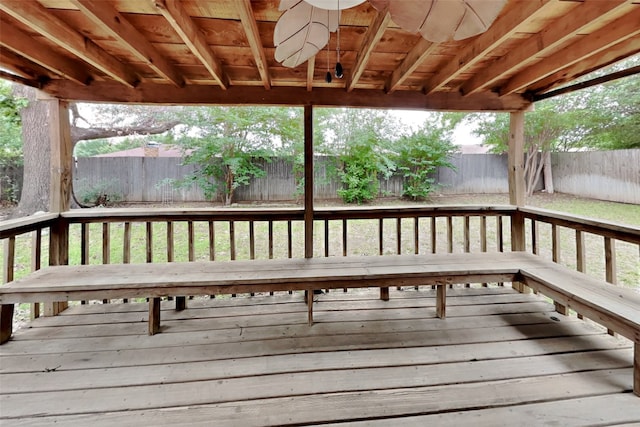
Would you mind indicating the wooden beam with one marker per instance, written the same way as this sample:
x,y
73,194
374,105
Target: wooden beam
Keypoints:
x,y
516,159
610,56
103,15
36,17
409,64
183,25
253,37
501,30
616,32
374,34
311,66
308,185
26,46
148,93
558,33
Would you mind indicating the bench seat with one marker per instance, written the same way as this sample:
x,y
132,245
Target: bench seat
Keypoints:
x,y
614,307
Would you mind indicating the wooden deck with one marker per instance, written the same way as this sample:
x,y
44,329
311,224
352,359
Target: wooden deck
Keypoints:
x,y
499,358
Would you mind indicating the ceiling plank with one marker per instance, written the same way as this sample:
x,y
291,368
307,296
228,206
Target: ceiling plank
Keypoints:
x,y
26,46
147,93
311,67
612,55
616,32
253,36
409,64
36,17
107,18
191,35
374,34
501,30
538,44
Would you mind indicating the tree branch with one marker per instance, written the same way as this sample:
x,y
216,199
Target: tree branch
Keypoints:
x,y
85,134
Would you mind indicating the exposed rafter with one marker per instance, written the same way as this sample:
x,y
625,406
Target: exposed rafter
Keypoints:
x,y
311,66
24,45
36,17
374,34
107,18
600,40
587,65
414,58
251,30
500,31
19,66
183,25
538,44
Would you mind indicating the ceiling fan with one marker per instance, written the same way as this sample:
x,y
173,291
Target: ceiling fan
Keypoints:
x,y
305,26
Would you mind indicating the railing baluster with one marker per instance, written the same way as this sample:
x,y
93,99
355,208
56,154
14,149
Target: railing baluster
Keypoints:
x,y
289,243
126,243
326,238
344,242
580,256
534,237
467,239
106,249
7,310
434,235
212,241
499,238
611,275
384,291
450,234
192,241
232,244
416,239
149,241
84,248
483,239
252,245
270,237
170,239
555,256
399,241
36,263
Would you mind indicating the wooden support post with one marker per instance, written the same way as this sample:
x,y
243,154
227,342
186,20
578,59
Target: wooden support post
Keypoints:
x,y
384,293
154,316
309,297
441,301
60,190
516,183
308,182
6,322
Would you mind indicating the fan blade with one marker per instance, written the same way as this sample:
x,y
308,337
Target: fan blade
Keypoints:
x,y
302,31
442,20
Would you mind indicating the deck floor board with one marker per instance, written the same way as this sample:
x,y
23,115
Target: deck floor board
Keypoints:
x,y
500,356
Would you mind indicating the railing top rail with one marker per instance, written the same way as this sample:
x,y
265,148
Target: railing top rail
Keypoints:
x,y
182,214
610,229
14,227
411,211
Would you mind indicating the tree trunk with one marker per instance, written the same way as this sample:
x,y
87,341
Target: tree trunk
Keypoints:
x,y
548,175
37,151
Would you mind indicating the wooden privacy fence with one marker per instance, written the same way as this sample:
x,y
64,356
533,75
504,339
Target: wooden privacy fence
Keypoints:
x,y
147,179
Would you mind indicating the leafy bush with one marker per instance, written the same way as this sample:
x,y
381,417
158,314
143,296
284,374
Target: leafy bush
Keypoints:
x,y
101,194
359,177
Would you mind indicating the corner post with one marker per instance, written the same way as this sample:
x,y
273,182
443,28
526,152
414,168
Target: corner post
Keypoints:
x,y
60,192
516,185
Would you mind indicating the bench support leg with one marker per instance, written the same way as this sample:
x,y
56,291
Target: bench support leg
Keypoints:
x,y
441,301
636,369
6,322
181,303
309,295
384,293
154,316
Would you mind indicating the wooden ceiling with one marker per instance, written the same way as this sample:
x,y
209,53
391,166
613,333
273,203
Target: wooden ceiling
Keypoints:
x,y
222,52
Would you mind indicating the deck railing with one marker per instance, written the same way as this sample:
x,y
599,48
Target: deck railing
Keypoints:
x,y
168,235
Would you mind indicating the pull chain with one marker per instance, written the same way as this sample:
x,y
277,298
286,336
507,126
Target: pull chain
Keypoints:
x,y
339,70
327,77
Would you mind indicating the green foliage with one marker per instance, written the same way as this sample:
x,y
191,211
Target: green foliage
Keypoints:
x,y
229,144
95,147
10,131
101,194
419,156
359,177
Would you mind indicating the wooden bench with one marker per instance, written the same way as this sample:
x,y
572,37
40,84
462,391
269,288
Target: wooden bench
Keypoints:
x,y
616,308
